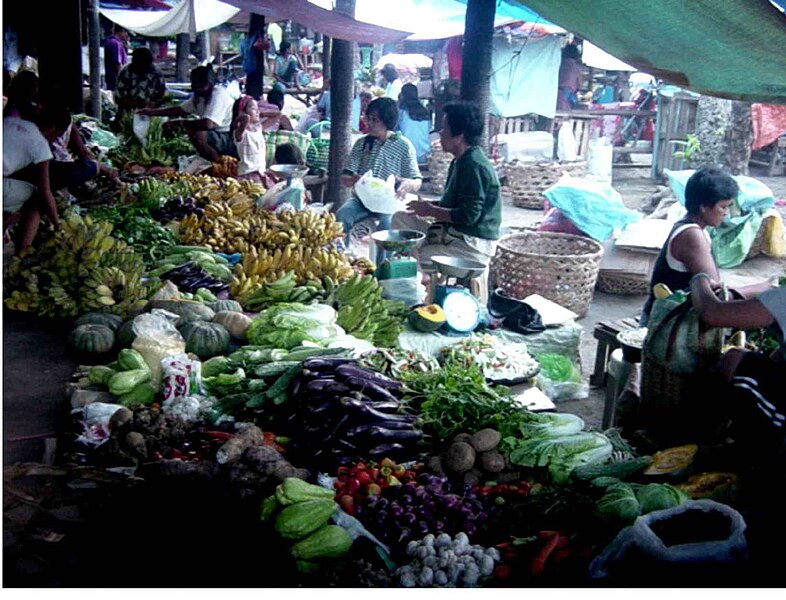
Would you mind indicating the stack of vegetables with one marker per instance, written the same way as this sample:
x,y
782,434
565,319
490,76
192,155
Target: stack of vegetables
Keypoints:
x,y
128,378
343,412
301,513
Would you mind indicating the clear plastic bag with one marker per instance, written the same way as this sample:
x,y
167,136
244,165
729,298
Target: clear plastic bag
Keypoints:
x,y
407,289
156,339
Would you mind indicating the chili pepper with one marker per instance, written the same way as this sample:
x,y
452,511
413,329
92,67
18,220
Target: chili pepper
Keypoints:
x,y
364,478
219,435
553,540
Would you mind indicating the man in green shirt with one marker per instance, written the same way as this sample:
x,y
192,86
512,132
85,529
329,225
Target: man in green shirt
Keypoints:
x,y
468,216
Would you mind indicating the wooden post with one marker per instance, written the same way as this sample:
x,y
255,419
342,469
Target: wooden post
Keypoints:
x,y
94,28
476,57
341,95
254,81
327,45
181,62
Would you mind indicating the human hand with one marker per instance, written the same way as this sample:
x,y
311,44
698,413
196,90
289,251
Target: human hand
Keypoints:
x,y
421,208
144,112
109,172
405,186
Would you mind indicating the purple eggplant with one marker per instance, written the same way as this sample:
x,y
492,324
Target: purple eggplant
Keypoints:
x,y
327,363
373,391
364,408
326,385
385,449
371,377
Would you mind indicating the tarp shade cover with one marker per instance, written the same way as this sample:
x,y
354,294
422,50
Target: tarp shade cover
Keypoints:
x,y
327,22
190,16
730,49
525,76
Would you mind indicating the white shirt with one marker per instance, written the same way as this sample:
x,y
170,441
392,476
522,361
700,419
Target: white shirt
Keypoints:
x,y
678,265
393,89
23,145
218,110
251,152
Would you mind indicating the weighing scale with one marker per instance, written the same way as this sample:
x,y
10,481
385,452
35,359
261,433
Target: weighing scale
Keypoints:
x,y
461,308
295,189
399,242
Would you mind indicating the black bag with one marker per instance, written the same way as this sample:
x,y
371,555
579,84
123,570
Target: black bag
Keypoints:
x,y
515,314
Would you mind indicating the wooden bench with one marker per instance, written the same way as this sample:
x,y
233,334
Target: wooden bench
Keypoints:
x,y
606,334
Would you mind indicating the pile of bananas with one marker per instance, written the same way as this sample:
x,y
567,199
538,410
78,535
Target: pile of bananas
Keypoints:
x,y
363,265
211,188
285,289
308,265
363,312
79,269
225,166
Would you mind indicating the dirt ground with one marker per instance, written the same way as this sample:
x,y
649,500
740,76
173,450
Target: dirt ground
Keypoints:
x,y
36,368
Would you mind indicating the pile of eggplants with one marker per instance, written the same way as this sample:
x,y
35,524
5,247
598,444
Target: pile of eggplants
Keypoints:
x,y
427,505
344,412
189,277
176,208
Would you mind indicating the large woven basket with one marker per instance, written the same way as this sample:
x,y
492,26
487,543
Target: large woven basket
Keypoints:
x,y
438,163
558,266
526,182
624,284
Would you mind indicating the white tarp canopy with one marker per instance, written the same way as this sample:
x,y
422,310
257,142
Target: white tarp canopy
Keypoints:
x,y
594,57
190,16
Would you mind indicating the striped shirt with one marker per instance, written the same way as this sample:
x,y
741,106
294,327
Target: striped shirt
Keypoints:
x,y
395,156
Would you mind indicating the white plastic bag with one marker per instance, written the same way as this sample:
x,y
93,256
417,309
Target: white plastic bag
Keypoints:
x,y
379,195
600,155
141,124
156,339
567,149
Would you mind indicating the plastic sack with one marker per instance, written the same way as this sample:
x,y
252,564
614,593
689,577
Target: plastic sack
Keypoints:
x,y
141,124
567,149
407,289
167,291
754,195
378,195
156,339
95,422
774,234
732,240
600,157
595,208
664,546
181,377
103,138
555,221
560,391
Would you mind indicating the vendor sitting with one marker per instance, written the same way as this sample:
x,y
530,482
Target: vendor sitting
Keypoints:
x,y
708,195
384,153
469,214
758,402
140,84
213,105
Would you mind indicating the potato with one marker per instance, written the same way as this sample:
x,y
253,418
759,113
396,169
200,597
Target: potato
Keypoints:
x,y
460,457
485,440
462,437
492,461
120,417
473,477
434,464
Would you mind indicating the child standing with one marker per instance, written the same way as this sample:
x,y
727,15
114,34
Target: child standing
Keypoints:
x,y
249,139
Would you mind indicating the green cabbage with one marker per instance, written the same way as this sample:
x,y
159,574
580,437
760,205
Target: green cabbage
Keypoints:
x,y
557,367
216,366
288,325
659,496
619,504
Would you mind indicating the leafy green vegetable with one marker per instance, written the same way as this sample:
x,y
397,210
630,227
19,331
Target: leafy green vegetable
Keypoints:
x,y
619,504
216,366
134,225
659,496
454,400
225,383
562,454
288,325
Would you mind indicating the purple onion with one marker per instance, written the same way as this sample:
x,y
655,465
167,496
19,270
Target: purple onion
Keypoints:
x,y
423,527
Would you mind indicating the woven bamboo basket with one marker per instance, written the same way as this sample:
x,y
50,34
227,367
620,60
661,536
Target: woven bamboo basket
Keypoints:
x,y
438,164
623,284
528,181
558,266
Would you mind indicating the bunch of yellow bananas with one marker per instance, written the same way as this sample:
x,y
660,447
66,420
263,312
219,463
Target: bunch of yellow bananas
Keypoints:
x,y
80,268
225,166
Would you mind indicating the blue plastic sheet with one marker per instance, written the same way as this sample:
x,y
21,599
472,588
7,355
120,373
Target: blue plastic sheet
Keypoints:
x,y
595,208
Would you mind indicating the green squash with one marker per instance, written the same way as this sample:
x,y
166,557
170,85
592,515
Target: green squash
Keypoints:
x,y
223,305
236,323
91,339
125,334
427,318
187,310
100,318
205,339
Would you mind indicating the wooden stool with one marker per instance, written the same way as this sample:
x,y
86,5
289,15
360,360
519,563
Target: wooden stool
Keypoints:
x,y
606,334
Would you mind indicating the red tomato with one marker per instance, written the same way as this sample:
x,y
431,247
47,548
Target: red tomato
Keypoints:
x,y
353,485
347,504
360,467
373,472
364,478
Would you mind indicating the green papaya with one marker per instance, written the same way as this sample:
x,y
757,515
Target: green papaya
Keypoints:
x,y
295,490
141,394
331,541
129,359
100,374
299,520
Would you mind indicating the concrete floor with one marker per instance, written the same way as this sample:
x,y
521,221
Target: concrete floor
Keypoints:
x,y
36,367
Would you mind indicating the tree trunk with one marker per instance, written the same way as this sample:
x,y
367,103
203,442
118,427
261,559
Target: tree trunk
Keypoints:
x,y
725,133
181,60
341,95
94,29
476,56
327,45
254,81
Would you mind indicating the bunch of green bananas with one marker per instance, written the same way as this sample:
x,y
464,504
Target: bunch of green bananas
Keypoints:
x,y
285,289
152,193
363,312
80,268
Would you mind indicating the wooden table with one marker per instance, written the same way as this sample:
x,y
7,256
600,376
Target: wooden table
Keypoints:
x,y
606,334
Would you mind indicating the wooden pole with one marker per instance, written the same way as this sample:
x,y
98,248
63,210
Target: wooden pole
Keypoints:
x,y
342,91
255,80
181,61
327,46
476,56
94,29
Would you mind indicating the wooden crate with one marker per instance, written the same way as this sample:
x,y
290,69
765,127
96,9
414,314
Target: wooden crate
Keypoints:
x,y
676,118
